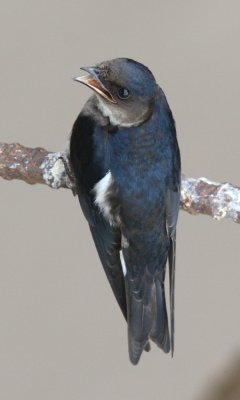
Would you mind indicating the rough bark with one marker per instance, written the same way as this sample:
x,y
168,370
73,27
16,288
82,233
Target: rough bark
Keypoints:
x,y
35,166
198,196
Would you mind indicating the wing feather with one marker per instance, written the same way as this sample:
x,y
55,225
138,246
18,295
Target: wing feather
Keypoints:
x,y
89,168
172,207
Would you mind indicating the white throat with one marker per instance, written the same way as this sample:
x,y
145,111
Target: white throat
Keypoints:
x,y
116,116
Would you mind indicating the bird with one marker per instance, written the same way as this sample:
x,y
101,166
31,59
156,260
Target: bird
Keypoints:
x,y
126,163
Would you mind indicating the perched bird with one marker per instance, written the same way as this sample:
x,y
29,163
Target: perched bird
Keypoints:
x,y
125,158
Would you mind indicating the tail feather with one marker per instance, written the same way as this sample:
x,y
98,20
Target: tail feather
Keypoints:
x,y
160,331
139,316
147,318
135,349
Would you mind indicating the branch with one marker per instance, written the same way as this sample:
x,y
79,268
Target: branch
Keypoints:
x,y
35,166
218,200
198,196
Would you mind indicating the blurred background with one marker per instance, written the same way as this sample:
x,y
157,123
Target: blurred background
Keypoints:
x,y
59,319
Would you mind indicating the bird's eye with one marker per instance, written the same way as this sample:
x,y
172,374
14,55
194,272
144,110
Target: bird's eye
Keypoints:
x,y
123,93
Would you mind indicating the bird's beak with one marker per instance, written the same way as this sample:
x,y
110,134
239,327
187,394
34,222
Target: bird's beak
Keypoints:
x,y
93,81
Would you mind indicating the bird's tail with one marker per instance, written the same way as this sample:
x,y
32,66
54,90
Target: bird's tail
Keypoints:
x,y
160,332
147,318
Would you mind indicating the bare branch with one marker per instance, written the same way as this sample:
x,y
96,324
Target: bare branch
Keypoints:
x,y
198,196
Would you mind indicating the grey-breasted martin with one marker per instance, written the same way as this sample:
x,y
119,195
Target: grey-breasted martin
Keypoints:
x,y
125,158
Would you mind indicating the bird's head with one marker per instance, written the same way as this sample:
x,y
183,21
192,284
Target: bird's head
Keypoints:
x,y
126,90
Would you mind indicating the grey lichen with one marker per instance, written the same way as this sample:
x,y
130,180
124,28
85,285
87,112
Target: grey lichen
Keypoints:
x,y
227,203
202,196
54,171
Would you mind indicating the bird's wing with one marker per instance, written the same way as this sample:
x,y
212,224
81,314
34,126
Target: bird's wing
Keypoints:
x,y
172,208
88,170
108,244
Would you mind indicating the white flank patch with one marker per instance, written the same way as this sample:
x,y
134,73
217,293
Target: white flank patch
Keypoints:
x,y
101,190
124,268
124,242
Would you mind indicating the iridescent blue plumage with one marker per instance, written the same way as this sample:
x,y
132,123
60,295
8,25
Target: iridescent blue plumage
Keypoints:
x,y
132,143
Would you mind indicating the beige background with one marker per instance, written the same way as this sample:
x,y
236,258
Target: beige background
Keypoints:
x,y
61,333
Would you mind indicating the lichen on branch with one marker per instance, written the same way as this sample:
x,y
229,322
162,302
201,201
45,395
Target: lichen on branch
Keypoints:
x,y
35,166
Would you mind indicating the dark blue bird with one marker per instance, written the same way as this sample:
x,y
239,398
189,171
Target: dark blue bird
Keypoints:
x,y
125,158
